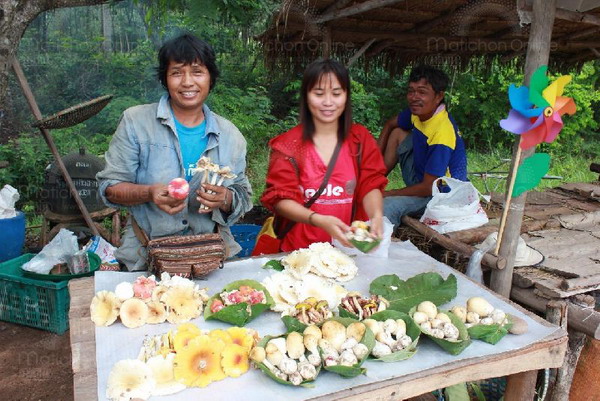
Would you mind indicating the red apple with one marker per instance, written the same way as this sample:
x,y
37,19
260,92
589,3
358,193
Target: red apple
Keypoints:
x,y
179,188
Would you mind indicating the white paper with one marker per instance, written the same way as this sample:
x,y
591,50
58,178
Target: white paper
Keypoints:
x,y
117,342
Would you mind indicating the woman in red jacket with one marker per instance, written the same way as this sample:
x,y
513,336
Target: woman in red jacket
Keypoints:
x,y
300,159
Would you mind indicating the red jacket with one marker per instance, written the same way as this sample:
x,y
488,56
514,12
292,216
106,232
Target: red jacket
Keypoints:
x,y
288,148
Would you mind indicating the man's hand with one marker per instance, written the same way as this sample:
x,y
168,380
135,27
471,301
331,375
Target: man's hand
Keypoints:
x,y
334,227
159,194
219,197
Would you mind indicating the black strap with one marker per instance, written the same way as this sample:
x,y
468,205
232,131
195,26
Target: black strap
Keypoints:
x,y
314,198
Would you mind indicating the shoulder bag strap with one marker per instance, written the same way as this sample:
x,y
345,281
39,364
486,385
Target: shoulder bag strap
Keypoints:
x,y
139,233
314,198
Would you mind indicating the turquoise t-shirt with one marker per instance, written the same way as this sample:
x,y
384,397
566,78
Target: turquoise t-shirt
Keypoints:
x,y
193,141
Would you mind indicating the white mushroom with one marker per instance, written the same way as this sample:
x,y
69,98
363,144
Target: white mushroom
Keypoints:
x,y
288,366
486,321
380,349
400,329
460,312
373,325
390,326
425,326
295,345
360,350
349,343
437,333
480,306
405,341
443,317
279,342
347,358
498,316
436,323
450,331
385,338
295,378
307,371
428,308
472,317
420,317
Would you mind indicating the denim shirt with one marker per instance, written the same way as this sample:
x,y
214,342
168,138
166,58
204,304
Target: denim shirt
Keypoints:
x,y
145,150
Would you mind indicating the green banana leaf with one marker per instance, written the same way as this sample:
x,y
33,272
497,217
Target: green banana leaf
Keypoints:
x,y
355,370
307,383
242,313
412,330
293,324
452,347
403,295
365,246
490,333
273,264
346,313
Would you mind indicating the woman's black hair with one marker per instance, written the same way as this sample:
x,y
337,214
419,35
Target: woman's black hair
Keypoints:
x,y
313,75
186,49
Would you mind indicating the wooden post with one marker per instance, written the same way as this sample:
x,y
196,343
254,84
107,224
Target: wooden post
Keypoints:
x,y
538,53
564,375
48,138
521,386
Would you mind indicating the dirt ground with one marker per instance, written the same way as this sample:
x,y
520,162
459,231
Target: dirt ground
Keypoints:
x,y
34,364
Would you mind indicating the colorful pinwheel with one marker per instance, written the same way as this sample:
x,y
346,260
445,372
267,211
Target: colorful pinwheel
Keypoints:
x,y
536,111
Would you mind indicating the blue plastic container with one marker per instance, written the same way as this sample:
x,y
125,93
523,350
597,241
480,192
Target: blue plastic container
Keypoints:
x,y
245,235
12,237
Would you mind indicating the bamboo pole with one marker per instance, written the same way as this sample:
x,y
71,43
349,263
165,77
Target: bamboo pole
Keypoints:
x,y
48,138
538,53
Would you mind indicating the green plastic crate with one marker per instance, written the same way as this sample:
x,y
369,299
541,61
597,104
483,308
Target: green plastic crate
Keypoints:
x,y
37,303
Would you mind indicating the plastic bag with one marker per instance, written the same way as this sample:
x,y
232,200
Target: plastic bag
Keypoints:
x,y
456,210
55,252
8,197
381,251
105,250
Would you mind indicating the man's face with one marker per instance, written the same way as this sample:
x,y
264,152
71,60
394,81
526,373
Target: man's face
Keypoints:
x,y
188,85
422,99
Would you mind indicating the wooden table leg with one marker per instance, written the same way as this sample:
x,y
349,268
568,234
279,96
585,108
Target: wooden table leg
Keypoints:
x,y
521,386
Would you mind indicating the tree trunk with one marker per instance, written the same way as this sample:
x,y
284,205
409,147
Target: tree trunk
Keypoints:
x,y
15,16
107,29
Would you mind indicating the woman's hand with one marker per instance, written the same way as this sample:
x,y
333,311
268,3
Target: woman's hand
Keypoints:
x,y
334,227
214,196
377,227
159,193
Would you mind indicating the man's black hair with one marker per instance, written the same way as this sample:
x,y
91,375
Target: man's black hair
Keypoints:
x,y
186,49
434,76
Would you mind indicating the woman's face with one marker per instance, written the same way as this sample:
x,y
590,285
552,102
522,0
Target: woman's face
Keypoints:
x,y
326,100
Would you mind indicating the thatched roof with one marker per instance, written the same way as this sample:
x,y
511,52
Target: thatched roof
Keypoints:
x,y
396,33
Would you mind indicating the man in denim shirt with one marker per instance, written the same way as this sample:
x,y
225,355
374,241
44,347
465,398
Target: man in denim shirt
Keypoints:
x,y
155,143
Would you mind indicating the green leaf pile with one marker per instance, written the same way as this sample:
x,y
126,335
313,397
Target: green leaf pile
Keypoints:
x,y
403,295
238,314
490,333
355,370
412,330
293,324
452,347
307,383
273,264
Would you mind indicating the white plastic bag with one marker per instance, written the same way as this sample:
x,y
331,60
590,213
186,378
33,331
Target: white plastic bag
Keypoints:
x,y
456,210
56,251
381,251
8,197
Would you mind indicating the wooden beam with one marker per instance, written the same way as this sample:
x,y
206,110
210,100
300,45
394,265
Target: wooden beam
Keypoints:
x,y
538,53
359,53
463,249
575,16
336,6
580,34
582,319
355,9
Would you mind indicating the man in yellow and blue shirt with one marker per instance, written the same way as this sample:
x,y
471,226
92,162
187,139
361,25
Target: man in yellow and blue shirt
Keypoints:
x,y
425,141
